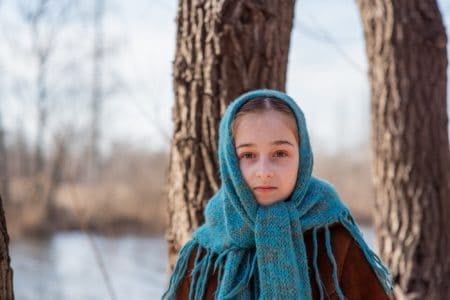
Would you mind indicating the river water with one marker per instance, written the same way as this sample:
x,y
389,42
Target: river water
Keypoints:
x,y
66,266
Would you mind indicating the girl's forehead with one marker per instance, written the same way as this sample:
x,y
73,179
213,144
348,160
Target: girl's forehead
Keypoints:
x,y
267,124
267,115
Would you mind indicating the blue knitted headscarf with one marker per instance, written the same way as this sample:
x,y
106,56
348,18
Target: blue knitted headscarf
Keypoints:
x,y
258,251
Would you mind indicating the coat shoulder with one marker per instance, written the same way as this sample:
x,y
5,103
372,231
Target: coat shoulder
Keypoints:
x,y
356,277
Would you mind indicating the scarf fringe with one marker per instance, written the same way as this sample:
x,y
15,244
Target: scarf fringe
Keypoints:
x,y
333,263
249,269
215,262
203,265
180,269
319,282
199,274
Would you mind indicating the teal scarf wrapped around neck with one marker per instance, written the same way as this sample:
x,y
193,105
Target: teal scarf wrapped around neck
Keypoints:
x,y
259,251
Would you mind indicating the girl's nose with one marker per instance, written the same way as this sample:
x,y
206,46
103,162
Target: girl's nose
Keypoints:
x,y
264,171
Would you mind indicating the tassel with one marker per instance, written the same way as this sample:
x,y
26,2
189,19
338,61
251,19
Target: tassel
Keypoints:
x,y
219,278
220,258
197,266
249,268
333,262
316,267
252,269
203,277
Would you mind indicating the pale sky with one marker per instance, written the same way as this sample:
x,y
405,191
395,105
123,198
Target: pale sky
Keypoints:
x,y
326,72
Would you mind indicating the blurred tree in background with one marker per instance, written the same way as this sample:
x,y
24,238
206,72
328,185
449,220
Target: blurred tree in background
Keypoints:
x,y
222,49
55,173
37,17
93,152
406,49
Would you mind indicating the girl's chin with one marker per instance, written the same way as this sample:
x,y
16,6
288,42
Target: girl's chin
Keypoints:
x,y
267,202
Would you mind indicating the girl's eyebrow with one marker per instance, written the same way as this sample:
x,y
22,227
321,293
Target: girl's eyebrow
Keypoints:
x,y
276,143
282,142
245,145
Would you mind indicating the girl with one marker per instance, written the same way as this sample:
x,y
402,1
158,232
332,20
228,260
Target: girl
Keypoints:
x,y
273,231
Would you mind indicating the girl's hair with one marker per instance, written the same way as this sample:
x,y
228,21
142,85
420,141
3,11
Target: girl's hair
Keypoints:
x,y
263,104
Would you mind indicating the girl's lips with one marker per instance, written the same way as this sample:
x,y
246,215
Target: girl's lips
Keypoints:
x,y
264,188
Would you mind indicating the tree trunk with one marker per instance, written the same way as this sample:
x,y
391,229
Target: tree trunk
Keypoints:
x,y
406,48
223,48
6,273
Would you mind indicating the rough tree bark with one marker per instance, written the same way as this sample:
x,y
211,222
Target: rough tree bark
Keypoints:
x,y
6,272
406,48
223,48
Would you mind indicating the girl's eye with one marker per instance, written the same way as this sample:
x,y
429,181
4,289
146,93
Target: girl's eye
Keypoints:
x,y
280,153
247,155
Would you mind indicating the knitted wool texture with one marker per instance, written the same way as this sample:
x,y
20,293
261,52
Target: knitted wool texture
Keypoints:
x,y
259,251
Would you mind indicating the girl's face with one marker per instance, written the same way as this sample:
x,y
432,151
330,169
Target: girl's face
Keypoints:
x,y
267,148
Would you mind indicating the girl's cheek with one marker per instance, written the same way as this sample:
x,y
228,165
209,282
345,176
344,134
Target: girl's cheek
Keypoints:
x,y
245,167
